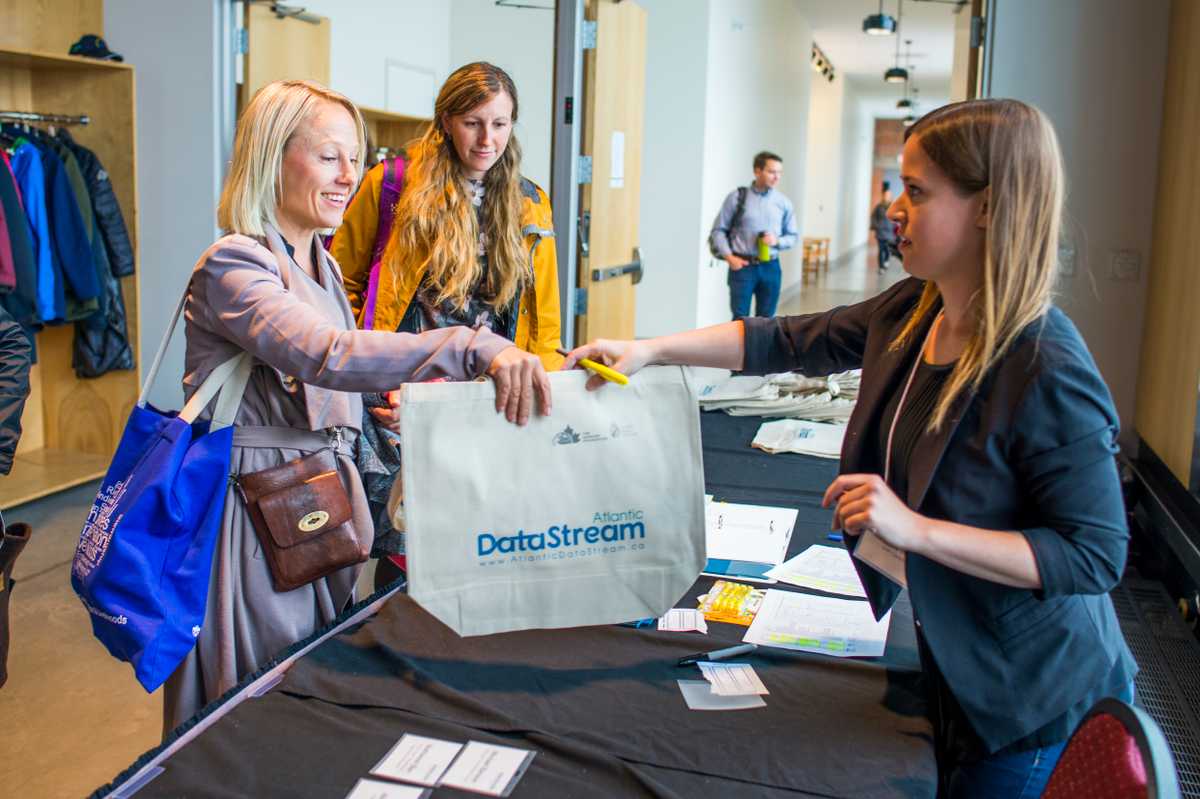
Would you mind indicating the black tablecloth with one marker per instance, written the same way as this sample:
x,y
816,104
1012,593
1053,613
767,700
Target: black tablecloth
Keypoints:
x,y
599,704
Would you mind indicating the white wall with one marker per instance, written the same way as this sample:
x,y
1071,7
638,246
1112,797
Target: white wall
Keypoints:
x,y
858,144
1096,67
521,42
757,91
823,177
172,47
672,224
366,34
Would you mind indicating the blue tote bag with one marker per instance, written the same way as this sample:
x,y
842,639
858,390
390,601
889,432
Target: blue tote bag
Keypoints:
x,y
144,557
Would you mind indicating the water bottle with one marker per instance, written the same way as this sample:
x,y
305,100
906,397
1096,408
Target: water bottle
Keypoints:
x,y
764,249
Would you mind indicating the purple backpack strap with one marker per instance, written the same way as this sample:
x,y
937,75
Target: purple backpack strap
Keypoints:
x,y
389,195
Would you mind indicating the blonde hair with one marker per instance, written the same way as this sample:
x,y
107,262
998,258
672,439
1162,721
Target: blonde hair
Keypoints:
x,y
254,187
436,232
1009,150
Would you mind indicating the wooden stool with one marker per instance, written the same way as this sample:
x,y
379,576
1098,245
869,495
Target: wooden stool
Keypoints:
x,y
811,259
824,242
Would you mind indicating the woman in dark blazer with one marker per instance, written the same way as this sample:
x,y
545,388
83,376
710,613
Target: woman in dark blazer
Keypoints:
x,y
978,463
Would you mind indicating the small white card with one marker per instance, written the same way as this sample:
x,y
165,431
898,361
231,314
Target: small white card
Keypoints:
x,y
699,695
683,620
732,679
418,759
883,557
487,768
374,789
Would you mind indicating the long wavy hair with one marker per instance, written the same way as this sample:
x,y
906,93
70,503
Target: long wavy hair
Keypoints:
x,y
437,231
1009,150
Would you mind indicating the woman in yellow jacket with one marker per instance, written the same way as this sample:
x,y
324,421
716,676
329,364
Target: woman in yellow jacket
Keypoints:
x,y
471,243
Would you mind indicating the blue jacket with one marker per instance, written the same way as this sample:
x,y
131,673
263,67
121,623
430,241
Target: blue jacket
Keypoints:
x,y
1032,451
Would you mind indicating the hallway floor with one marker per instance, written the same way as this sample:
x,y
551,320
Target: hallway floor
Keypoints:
x,y
73,717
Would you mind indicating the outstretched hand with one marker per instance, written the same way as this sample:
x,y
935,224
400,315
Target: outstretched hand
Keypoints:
x,y
627,357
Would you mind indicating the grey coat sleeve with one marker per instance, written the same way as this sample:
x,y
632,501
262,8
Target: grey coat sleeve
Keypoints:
x,y
241,296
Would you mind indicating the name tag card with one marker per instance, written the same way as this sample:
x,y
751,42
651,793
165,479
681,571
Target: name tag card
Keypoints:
x,y
488,769
418,759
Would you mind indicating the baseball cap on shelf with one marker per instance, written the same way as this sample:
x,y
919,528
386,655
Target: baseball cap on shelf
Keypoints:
x,y
92,46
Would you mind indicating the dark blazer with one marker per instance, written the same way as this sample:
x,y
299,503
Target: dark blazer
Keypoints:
x,y
1032,451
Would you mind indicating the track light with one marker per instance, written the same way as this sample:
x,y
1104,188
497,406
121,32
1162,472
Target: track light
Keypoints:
x,y
880,24
820,63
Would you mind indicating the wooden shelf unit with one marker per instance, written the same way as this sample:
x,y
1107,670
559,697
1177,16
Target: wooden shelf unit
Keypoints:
x,y
391,130
71,426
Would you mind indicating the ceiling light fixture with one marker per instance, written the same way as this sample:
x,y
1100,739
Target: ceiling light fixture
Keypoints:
x,y
880,24
897,74
821,63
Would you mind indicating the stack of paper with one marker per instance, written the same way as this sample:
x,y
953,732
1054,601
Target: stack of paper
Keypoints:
x,y
827,569
732,679
807,438
683,620
839,627
482,768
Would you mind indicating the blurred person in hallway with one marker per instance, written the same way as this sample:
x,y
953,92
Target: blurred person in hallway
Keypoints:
x,y
884,229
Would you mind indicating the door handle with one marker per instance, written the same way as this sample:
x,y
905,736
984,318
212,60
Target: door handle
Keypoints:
x,y
634,267
585,232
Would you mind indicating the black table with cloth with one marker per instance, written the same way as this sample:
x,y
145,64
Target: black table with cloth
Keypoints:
x,y
600,705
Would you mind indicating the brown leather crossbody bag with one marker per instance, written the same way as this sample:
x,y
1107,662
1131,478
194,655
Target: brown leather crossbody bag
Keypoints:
x,y
302,515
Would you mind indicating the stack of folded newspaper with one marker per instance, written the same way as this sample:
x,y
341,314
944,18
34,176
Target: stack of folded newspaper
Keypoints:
x,y
787,395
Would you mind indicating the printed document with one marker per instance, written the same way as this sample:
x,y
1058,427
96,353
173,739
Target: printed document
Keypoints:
x,y
683,620
699,695
883,557
732,679
822,568
838,627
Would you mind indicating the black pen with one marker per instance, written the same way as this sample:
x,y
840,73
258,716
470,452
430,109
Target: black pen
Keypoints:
x,y
720,654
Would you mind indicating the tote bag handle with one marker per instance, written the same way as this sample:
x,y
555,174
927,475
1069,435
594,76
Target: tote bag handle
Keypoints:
x,y
227,381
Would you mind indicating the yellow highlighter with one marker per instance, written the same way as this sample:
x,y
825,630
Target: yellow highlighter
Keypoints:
x,y
608,373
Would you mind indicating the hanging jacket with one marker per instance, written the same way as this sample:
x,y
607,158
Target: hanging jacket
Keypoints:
x,y
8,269
21,303
537,322
15,356
104,203
31,180
70,243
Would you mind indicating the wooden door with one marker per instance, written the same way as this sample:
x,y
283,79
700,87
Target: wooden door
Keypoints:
x,y
280,47
614,90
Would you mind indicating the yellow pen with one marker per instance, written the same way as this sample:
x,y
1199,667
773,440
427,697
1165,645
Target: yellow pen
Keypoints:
x,y
608,373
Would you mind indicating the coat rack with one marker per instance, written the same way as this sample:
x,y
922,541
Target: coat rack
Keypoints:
x,y
60,119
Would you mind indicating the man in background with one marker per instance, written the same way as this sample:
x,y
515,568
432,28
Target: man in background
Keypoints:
x,y
754,225
884,229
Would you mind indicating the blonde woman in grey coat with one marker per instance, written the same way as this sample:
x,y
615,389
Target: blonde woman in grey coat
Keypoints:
x,y
268,288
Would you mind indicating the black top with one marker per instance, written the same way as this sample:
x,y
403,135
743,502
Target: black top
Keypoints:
x,y
1032,450
914,419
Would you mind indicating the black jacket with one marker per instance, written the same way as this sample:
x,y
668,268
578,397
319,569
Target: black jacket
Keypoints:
x,y
1031,451
108,210
14,385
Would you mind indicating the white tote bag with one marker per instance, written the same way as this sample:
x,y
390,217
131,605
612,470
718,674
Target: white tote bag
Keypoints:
x,y
594,515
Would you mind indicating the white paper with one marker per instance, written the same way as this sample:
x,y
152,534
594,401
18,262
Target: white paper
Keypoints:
x,y
683,620
488,768
732,679
827,569
883,557
418,759
374,789
617,178
755,533
796,435
838,627
698,695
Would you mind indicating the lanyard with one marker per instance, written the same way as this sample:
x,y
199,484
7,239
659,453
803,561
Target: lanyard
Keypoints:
x,y
887,456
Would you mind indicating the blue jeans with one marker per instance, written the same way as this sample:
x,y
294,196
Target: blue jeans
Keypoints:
x,y
1019,775
759,281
